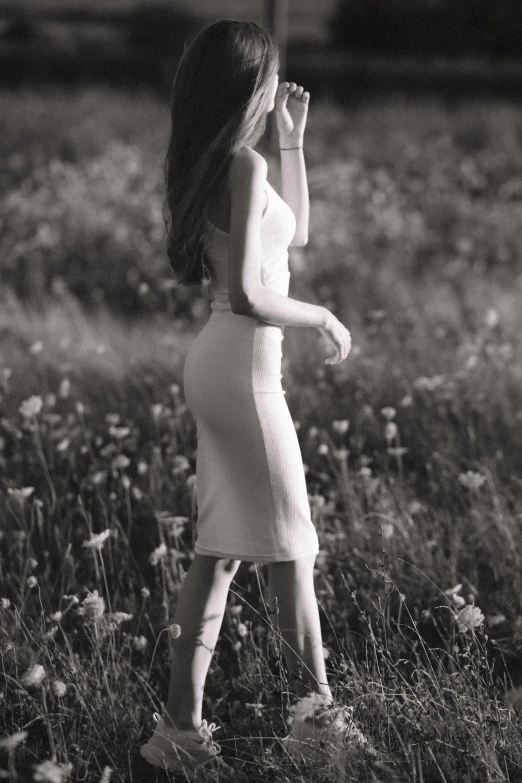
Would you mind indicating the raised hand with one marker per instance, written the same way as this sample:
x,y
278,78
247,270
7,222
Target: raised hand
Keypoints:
x,y
291,107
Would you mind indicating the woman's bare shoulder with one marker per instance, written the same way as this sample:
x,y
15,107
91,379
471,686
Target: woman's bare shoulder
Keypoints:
x,y
248,163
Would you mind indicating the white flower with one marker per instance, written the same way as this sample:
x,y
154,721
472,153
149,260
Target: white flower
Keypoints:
x,y
469,617
55,617
174,630
388,412
31,407
492,318
142,467
32,581
340,425
256,707
10,743
472,480
49,772
121,461
157,554
5,603
93,606
119,432
20,494
323,449
36,347
96,541
65,388
34,676
390,430
106,775
59,688
139,642
145,592
242,629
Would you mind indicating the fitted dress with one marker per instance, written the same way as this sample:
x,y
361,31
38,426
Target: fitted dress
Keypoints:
x,y
251,494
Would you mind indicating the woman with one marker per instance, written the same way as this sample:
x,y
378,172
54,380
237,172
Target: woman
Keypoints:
x,y
228,225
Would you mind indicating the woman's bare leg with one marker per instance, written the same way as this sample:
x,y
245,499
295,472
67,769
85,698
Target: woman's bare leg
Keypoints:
x,y
199,612
299,625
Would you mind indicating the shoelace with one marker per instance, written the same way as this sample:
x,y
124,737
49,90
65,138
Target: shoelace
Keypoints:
x,y
205,732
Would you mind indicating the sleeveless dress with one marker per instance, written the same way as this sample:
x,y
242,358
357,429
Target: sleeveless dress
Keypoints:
x,y
251,492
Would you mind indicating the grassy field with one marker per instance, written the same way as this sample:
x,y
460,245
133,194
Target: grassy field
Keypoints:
x,y
412,447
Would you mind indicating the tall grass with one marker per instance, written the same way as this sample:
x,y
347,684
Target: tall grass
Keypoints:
x,y
412,452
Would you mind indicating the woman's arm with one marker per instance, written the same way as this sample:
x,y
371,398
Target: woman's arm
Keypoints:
x,y
295,191
291,106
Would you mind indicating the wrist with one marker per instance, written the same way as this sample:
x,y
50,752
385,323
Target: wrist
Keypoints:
x,y
328,316
290,143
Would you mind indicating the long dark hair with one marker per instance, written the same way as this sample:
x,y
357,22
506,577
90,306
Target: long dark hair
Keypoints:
x,y
218,105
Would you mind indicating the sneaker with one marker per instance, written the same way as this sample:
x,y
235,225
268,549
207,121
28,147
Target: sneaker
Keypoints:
x,y
319,726
182,750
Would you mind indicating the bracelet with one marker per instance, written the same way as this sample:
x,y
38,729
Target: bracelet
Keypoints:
x,y
290,148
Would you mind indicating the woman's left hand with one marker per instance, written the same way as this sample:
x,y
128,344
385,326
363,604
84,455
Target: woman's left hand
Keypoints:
x,y
291,106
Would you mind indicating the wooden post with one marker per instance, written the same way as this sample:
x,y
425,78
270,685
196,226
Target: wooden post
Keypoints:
x,y
278,27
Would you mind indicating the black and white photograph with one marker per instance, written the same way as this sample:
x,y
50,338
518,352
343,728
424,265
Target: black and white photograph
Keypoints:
x,y
261,391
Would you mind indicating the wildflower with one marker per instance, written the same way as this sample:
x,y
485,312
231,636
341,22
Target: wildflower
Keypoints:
x,y
156,411
5,603
492,318
365,471
174,630
145,592
96,541
397,451
388,412
390,430
388,530
406,401
430,384
112,418
236,609
32,581
256,707
65,388
106,775
10,743
119,432
31,407
157,554
36,347
20,494
121,461
323,449
237,646
80,408
93,606
34,676
55,617
142,467
326,653
297,425
242,629
472,480
313,432
316,501
341,453
341,425
72,598
181,463
120,617
139,642
49,772
125,480
174,389
59,688
50,400
137,493
63,445
469,617
98,477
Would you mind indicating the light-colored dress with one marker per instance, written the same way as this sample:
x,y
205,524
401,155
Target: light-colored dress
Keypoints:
x,y
251,492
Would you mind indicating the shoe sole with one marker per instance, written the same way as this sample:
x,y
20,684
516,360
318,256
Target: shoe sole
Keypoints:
x,y
174,765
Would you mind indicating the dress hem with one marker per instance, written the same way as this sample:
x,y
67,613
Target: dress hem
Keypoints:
x,y
255,558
